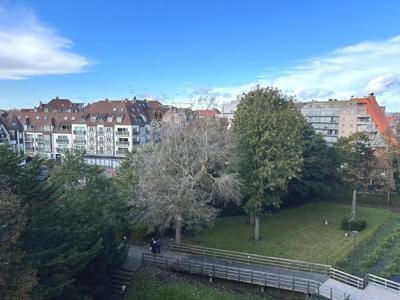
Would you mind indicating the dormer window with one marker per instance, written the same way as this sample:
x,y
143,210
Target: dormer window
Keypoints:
x,y
65,118
114,109
119,119
93,119
37,117
110,119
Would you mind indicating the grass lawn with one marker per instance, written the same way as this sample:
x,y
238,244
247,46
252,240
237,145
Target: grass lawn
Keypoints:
x,y
297,233
147,286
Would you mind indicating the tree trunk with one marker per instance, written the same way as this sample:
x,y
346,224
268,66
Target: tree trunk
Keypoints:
x,y
354,206
257,227
178,230
251,218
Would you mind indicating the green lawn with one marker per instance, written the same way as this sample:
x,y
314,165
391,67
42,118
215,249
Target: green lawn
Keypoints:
x,y
148,287
297,233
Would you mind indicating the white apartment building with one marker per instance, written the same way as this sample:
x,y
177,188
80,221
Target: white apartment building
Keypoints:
x,y
105,130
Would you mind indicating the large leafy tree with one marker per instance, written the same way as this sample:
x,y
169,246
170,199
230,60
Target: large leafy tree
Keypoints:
x,y
185,176
268,129
358,158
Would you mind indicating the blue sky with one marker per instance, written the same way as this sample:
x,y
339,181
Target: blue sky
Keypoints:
x,y
178,51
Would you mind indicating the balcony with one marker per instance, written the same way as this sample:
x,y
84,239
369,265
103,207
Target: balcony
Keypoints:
x,y
62,141
80,142
80,132
123,143
121,153
122,133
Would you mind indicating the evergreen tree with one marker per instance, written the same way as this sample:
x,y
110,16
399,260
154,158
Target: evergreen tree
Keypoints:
x,y
17,277
268,131
318,170
74,231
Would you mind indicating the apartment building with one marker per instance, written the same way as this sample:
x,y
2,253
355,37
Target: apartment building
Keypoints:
x,y
105,130
341,118
336,118
11,132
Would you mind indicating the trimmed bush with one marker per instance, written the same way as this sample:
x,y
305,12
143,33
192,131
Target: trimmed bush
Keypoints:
x,y
358,224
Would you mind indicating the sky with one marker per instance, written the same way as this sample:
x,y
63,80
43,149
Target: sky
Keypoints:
x,y
180,51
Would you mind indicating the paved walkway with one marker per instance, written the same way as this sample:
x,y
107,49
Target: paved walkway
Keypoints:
x,y
371,292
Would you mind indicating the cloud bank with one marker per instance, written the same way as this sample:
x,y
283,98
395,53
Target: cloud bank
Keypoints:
x,y
28,47
355,70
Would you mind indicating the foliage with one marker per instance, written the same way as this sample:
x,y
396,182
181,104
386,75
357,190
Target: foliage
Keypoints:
x,y
185,177
319,172
149,287
268,130
380,250
358,157
17,277
73,231
348,224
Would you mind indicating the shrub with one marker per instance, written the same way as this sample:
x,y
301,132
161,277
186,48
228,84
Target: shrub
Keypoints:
x,y
358,224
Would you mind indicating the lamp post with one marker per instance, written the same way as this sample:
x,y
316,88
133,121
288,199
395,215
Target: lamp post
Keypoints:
x,y
354,233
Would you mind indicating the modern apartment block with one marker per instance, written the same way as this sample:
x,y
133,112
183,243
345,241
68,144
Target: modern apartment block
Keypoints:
x,y
105,130
336,118
341,118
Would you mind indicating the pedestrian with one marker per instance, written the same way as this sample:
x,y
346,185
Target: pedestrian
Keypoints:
x,y
153,245
158,246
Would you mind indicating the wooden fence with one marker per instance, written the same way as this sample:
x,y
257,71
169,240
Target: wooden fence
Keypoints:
x,y
264,279
252,258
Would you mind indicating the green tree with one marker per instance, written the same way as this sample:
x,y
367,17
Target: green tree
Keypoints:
x,y
268,129
17,277
17,179
318,170
357,162
74,231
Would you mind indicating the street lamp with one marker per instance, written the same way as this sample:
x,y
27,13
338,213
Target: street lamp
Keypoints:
x,y
354,233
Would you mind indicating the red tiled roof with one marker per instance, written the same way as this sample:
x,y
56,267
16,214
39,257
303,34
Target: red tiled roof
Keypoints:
x,y
207,112
154,103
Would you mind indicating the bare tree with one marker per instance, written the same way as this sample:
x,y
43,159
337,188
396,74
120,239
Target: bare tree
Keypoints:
x,y
186,175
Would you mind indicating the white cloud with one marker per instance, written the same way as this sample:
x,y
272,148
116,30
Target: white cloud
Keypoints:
x,y
28,47
355,70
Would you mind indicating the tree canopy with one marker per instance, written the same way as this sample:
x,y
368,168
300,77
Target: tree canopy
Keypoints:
x,y
268,131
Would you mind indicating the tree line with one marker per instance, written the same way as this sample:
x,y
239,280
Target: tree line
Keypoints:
x,y
62,233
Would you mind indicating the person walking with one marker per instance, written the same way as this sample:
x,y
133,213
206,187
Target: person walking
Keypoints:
x,y
153,248
158,246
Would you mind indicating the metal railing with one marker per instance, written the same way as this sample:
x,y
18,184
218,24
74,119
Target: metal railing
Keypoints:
x,y
260,278
382,281
346,278
253,258
333,273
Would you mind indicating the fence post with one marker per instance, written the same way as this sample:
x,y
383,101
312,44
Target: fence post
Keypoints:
x,y
308,286
251,280
265,279
166,262
330,295
226,272
293,284
279,281
201,268
239,274
213,270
